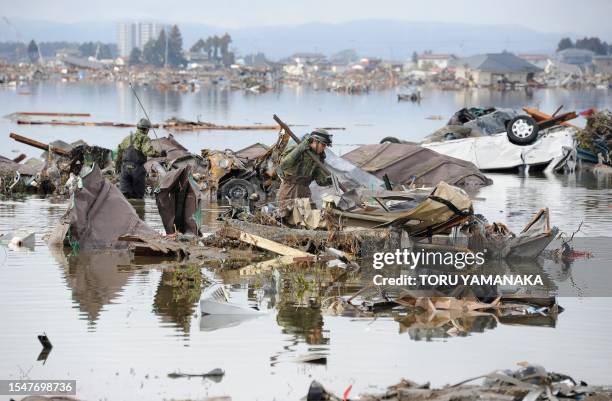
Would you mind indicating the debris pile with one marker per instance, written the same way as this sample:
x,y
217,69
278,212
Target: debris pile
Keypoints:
x,y
528,383
596,138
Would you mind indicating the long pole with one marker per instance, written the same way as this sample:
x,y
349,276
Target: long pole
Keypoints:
x,y
142,107
37,144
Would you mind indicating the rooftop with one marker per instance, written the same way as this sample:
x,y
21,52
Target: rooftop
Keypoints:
x,y
497,62
436,56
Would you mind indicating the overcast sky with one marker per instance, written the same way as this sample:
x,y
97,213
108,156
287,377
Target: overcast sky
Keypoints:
x,y
581,17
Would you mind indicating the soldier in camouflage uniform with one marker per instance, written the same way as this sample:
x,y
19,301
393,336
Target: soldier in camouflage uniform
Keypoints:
x,y
298,170
132,154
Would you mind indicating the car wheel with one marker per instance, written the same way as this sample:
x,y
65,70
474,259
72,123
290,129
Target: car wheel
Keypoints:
x,y
522,130
389,139
237,189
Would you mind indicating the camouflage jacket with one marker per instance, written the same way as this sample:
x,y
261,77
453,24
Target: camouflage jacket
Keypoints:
x,y
296,163
140,141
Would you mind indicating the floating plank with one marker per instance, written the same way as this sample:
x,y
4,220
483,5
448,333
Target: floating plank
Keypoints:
x,y
262,243
44,113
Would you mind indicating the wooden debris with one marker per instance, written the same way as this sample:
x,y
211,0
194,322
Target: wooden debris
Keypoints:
x,y
80,123
155,247
44,113
183,125
20,158
39,145
170,125
262,243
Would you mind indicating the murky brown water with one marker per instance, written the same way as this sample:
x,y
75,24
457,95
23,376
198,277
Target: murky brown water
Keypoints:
x,y
120,331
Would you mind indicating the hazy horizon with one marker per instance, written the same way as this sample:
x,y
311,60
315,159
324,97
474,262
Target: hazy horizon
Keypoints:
x,y
589,18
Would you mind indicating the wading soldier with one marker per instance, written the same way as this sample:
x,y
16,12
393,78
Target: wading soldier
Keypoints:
x,y
298,170
132,154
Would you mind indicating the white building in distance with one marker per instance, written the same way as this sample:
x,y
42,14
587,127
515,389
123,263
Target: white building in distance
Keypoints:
x,y
137,34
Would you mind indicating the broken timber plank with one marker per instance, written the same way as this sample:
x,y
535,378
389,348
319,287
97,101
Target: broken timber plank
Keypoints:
x,y
43,113
540,116
37,144
262,243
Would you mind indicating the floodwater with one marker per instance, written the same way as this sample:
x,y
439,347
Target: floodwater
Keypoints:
x,y
119,331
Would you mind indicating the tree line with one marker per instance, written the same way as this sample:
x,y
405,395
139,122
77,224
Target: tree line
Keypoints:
x,y
216,48
593,44
167,50
32,51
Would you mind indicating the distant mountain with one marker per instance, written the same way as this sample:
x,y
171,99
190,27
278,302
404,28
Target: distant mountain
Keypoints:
x,y
389,39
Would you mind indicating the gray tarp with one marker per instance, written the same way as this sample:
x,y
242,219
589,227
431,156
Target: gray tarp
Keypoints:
x,y
8,166
98,215
401,162
179,201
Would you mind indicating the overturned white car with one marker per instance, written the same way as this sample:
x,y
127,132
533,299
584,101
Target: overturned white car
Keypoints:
x,y
502,139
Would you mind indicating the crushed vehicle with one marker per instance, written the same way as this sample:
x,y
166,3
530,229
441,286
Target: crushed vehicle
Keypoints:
x,y
359,215
521,129
504,139
238,175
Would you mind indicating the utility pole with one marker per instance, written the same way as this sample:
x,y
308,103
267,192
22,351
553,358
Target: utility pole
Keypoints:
x,y
166,56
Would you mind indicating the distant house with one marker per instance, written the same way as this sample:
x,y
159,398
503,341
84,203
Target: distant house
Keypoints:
x,y
494,68
369,63
257,60
308,58
603,64
81,63
539,60
427,61
575,56
196,57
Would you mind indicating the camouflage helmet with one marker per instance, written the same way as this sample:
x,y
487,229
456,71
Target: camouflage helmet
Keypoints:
x,y
321,135
144,124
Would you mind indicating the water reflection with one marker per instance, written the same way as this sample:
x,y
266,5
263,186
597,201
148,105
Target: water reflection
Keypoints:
x,y
177,295
302,324
445,324
95,278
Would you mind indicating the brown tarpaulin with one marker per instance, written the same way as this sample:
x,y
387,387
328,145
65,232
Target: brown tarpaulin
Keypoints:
x,y
98,215
401,162
172,148
179,202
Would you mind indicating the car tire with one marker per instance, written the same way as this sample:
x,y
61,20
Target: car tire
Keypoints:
x,y
390,139
237,189
522,130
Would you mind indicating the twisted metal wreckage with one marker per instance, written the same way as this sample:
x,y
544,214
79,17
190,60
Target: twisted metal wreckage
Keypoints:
x,y
359,213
